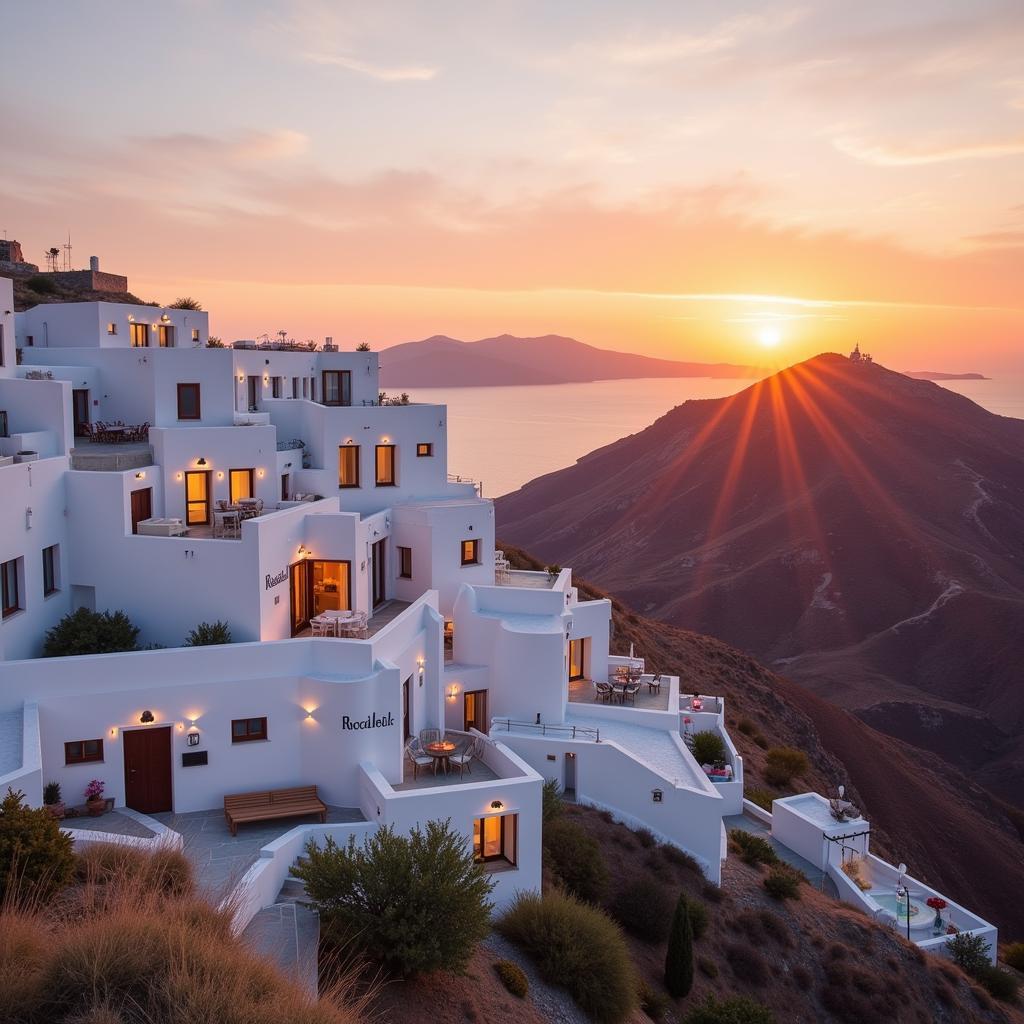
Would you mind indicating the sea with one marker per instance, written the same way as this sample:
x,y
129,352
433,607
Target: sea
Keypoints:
x,y
503,437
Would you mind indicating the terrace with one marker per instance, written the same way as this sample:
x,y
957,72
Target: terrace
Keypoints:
x,y
109,456
584,691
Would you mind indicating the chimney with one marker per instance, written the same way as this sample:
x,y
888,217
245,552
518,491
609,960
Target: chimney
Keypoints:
x,y
94,263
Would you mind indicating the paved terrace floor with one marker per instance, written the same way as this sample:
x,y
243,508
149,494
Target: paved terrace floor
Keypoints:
x,y
426,779
385,614
582,691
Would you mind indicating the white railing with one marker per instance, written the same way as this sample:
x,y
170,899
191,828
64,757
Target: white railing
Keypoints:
x,y
580,732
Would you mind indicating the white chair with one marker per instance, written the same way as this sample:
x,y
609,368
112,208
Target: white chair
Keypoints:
x,y
321,627
414,752
464,758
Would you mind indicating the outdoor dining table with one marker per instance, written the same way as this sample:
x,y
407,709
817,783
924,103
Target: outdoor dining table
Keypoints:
x,y
440,751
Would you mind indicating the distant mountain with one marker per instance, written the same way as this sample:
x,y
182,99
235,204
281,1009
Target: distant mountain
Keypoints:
x,y
939,375
441,361
859,530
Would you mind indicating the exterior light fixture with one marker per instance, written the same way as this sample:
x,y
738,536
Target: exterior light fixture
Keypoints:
x,y
200,461
131,318
309,716
453,691
165,318
259,473
496,805
241,377
146,717
140,475
177,476
181,727
656,795
220,476
113,733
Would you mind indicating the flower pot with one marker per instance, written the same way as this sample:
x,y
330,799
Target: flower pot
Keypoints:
x,y
57,810
96,807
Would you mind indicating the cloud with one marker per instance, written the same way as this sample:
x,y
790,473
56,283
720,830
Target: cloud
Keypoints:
x,y
886,155
998,238
282,144
401,73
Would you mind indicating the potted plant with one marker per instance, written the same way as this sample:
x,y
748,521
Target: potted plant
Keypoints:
x,y
938,904
52,800
94,799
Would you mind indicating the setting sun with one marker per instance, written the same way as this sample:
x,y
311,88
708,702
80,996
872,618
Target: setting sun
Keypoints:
x,y
769,337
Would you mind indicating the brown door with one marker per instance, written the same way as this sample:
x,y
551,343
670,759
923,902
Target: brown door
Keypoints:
x,y
142,506
379,555
406,724
80,408
147,769
197,497
475,710
301,585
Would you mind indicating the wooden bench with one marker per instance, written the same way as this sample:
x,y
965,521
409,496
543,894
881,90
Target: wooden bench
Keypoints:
x,y
272,803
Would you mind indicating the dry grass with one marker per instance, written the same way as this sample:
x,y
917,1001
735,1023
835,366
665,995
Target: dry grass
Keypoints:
x,y
132,944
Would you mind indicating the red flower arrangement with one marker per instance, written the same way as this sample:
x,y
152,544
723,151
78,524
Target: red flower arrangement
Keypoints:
x,y
936,903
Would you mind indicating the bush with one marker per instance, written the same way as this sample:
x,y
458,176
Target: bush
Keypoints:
x,y
783,883
513,977
752,849
646,838
36,860
165,870
747,963
1000,984
363,346
42,285
86,632
576,859
185,303
680,858
708,747
51,793
387,897
576,946
644,908
707,967
969,952
207,634
698,912
654,1003
679,955
783,764
760,796
730,1011
214,342
1013,954
551,801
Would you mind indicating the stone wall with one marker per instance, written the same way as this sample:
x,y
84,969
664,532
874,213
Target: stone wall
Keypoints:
x,y
91,280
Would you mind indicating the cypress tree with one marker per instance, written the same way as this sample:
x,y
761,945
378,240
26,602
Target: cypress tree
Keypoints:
x,y
679,956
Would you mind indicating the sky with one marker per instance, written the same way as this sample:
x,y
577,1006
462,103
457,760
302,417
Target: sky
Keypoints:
x,y
714,181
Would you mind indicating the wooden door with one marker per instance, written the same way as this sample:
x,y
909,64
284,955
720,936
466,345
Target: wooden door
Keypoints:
x,y
475,710
142,506
301,586
379,565
80,410
197,497
577,658
406,724
147,769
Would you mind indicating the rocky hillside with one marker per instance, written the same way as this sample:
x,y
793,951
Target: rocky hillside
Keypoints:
x,y
32,289
944,826
861,531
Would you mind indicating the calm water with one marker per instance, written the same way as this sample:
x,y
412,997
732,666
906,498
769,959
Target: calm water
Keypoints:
x,y
507,436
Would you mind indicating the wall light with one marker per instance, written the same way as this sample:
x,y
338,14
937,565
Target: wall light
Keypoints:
x,y
303,551
177,476
146,717
496,805
141,475
113,733
200,461
453,692
259,473
165,318
420,661
241,377
220,476
181,727
266,378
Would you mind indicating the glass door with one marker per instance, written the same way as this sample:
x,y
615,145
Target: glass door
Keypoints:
x,y
475,710
301,596
378,567
197,497
577,659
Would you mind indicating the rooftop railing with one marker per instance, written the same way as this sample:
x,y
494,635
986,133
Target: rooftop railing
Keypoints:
x,y
575,731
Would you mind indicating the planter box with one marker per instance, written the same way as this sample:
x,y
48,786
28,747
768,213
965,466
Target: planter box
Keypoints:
x,y
26,457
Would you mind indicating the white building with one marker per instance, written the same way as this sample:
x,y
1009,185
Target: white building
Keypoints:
x,y
269,487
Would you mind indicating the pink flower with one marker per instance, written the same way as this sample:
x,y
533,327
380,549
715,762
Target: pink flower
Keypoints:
x,y
936,902
94,791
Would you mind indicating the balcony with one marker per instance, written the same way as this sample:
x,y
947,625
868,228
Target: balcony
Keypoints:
x,y
105,457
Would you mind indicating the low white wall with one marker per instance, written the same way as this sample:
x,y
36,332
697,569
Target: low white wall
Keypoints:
x,y
27,779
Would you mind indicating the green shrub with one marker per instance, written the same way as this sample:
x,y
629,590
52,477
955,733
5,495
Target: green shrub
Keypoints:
x,y
708,747
576,946
35,855
51,793
747,963
185,303
752,849
969,952
644,908
41,284
680,858
387,897
551,801
513,977
739,1010
87,632
707,967
214,342
576,859
783,764
653,1002
698,912
646,838
760,796
998,983
783,883
1013,954
206,634
363,346
679,955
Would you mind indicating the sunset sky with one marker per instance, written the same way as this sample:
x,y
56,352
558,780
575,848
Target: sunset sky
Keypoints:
x,y
708,180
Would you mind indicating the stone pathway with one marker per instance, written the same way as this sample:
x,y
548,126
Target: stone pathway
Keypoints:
x,y
112,821
288,934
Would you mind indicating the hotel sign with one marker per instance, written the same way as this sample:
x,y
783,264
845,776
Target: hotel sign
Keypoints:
x,y
371,721
273,581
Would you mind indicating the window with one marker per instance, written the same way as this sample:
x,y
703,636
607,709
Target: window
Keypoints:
x,y
295,387
83,751
111,328
245,729
29,340
195,335
312,389
494,838
305,387
188,402
405,563
337,387
139,335
241,484
51,564
424,450
348,465
166,335
385,465
471,552
9,579
275,387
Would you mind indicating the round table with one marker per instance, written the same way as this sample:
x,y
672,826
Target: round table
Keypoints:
x,y
440,752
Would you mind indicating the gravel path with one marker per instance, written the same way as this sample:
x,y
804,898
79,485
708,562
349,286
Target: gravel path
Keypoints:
x,y
554,1003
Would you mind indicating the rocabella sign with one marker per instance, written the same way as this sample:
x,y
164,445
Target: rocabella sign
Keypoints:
x,y
273,581
370,722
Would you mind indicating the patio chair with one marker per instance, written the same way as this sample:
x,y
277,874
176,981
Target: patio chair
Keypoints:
x,y
629,692
654,684
320,627
418,759
604,692
465,757
429,736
